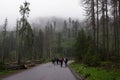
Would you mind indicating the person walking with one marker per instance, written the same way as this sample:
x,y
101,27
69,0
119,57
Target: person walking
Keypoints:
x,y
53,61
57,61
65,61
61,61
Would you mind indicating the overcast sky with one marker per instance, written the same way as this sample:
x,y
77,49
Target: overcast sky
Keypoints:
x,y
41,8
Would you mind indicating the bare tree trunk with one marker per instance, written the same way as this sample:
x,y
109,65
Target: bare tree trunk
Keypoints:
x,y
119,28
115,26
97,25
17,43
107,29
4,41
103,23
93,21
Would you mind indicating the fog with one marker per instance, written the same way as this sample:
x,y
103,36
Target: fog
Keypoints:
x,y
40,8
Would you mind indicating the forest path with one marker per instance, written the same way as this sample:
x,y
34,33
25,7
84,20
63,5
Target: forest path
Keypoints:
x,y
44,72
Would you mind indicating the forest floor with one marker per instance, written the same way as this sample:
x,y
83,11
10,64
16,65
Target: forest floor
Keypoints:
x,y
7,73
95,73
46,71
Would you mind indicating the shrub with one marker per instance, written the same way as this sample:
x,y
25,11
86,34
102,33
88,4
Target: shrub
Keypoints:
x,y
91,60
2,66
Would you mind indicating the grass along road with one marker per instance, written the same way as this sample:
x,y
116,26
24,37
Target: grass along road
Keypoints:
x,y
92,73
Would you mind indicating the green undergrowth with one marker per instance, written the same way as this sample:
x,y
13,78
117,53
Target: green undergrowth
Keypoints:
x,y
5,72
92,73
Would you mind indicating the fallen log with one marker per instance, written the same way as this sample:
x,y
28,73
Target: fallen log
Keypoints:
x,y
16,67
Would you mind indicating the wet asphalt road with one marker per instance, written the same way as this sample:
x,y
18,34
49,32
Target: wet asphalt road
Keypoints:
x,y
44,72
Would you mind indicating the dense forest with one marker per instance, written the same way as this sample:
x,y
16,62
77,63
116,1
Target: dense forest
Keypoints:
x,y
94,41
99,41
37,40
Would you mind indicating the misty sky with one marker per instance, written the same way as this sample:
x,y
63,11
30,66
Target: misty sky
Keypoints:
x,y
41,8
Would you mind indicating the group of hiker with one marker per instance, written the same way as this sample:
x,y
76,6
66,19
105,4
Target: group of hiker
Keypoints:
x,y
60,61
